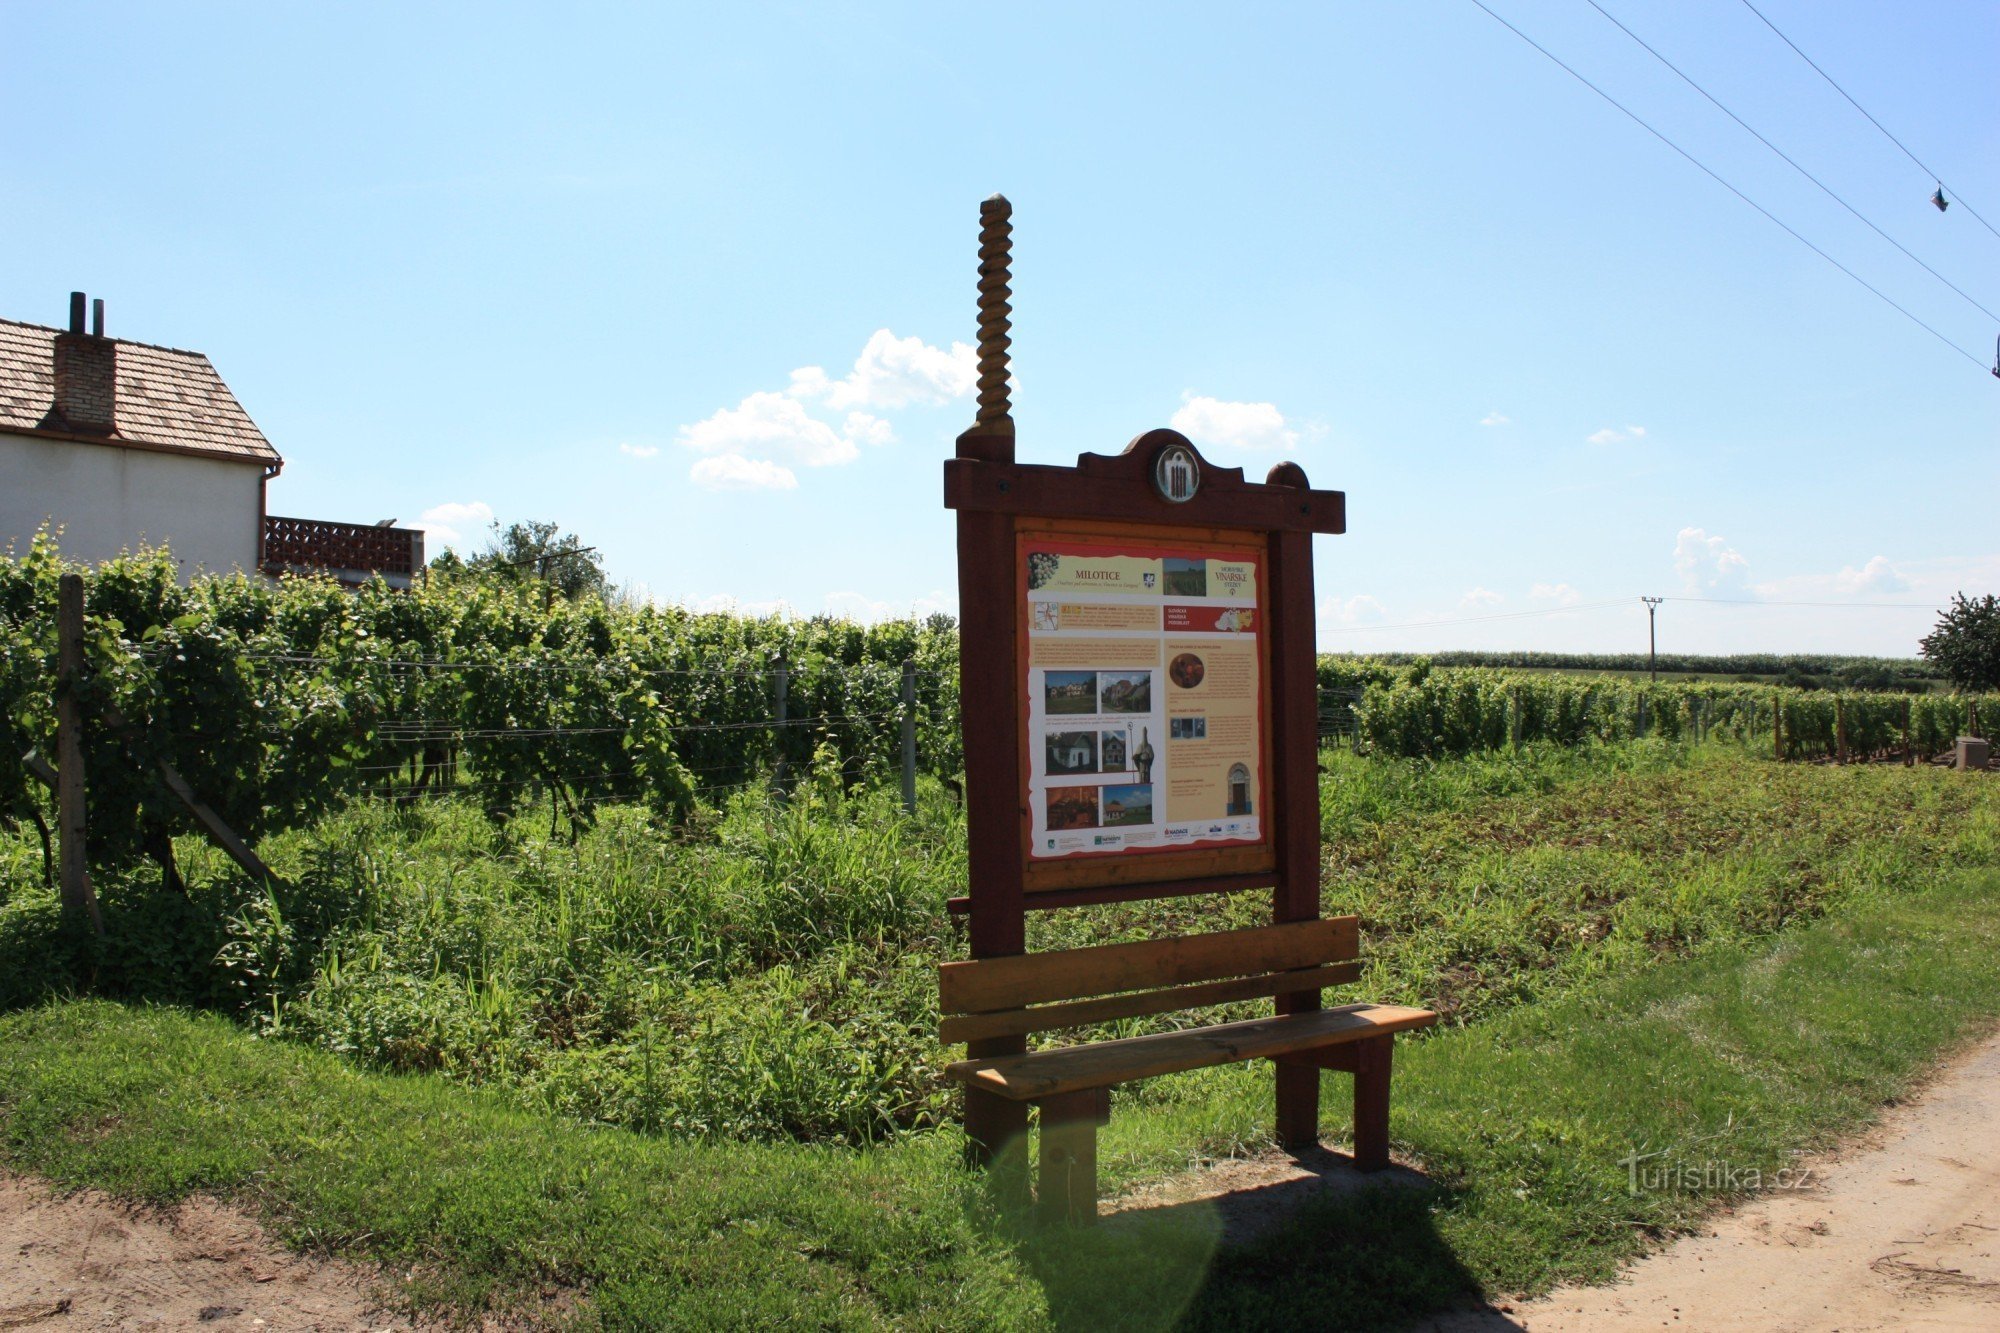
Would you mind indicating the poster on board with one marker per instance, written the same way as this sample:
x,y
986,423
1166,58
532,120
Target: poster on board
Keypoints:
x,y
1143,702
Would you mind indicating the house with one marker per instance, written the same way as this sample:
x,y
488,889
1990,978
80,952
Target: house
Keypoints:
x,y
124,444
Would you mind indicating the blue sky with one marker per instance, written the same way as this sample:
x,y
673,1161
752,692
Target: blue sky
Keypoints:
x,y
688,281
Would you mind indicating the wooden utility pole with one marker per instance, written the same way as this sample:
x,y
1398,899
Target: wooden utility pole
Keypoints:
x,y
79,902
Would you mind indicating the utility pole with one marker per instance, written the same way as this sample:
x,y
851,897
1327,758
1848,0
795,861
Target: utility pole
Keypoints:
x,y
1652,638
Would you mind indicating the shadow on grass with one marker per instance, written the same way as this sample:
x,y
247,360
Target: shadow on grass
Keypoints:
x,y
1325,1247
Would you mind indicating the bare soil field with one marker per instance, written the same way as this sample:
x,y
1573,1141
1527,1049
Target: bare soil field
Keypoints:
x,y
89,1262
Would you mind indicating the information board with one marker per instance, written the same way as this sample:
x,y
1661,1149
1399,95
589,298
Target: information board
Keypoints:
x,y
1144,683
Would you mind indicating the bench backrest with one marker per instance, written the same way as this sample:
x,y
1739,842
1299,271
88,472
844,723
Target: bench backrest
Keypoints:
x,y
1037,992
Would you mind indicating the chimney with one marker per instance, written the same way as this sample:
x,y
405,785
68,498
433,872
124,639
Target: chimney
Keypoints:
x,y
86,373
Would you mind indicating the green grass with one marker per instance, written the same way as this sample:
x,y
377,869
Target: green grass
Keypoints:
x,y
1743,1055
660,1063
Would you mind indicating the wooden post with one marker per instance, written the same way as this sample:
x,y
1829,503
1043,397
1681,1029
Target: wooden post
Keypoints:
x,y
996,1127
79,901
1513,717
782,679
1839,729
1371,1102
1295,768
909,738
1909,745
1066,1174
1777,728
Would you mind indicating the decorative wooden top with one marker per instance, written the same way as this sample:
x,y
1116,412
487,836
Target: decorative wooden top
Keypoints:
x,y
1121,486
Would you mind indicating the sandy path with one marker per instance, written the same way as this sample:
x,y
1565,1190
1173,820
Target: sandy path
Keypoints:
x,y
1897,1230
89,1262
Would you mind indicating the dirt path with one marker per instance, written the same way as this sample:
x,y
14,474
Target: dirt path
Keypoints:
x,y
89,1262
1898,1230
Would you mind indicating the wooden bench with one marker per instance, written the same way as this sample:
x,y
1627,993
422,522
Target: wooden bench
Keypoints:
x,y
1070,1086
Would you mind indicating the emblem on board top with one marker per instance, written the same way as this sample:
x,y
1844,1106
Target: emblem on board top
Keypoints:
x,y
1176,474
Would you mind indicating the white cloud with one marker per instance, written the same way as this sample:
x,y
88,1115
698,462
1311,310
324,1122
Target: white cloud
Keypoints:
x,y
1708,563
1562,594
1495,419
755,445
1481,597
1877,576
734,472
866,429
452,524
1212,421
893,372
638,450
1609,435
1352,610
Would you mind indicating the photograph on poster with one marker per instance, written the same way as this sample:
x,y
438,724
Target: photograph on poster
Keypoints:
x,y
1187,728
1124,691
1187,670
1071,692
1113,748
1072,752
1072,807
1128,804
1185,578
1239,790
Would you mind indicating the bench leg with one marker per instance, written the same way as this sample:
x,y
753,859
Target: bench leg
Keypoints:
x,y
1067,1179
1371,1103
996,1132
1298,1105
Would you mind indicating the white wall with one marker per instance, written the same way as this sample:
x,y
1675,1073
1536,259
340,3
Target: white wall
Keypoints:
x,y
108,499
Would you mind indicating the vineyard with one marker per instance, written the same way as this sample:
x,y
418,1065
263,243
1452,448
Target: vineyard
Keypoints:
x,y
279,703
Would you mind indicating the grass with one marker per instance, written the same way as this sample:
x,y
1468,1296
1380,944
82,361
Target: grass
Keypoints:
x,y
1743,1055
692,1073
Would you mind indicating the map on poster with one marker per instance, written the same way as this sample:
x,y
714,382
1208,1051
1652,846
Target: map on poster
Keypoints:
x,y
1143,708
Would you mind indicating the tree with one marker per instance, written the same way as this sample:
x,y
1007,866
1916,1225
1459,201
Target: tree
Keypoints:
x,y
541,551
1966,643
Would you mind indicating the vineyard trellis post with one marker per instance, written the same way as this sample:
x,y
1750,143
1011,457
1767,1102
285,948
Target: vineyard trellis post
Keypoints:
x,y
1839,729
909,737
781,676
1777,727
79,901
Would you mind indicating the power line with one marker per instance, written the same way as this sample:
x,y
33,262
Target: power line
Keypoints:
x,y
1824,187
1955,198
1711,174
1473,620
1770,601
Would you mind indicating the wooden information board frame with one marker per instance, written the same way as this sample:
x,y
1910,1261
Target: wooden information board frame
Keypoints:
x,y
998,499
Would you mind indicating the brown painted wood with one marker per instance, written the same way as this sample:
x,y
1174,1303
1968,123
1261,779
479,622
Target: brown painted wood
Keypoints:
x,y
989,705
1139,869
983,985
1295,766
1066,1176
1108,1063
1371,1103
1106,486
1049,1017
1049,899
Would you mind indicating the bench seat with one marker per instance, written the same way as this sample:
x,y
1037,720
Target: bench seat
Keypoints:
x,y
1051,1073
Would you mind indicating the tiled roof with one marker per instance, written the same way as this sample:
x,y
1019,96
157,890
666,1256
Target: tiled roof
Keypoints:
x,y
166,397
